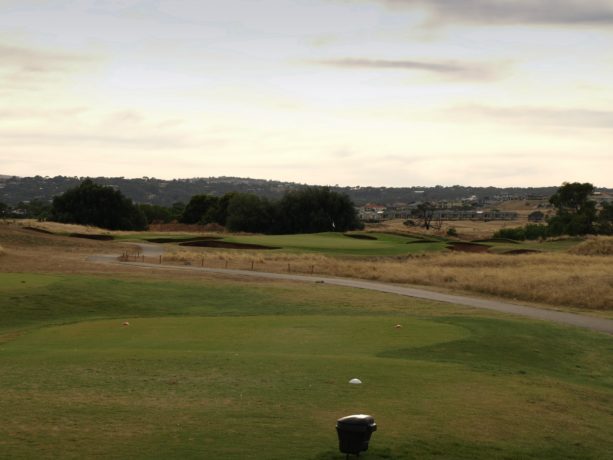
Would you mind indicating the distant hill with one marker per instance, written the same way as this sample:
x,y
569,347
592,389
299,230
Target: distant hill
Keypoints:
x,y
166,192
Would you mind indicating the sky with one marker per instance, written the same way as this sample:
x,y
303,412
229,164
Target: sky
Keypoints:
x,y
349,92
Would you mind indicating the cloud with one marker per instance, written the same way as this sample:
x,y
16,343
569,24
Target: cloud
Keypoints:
x,y
153,142
26,68
571,117
20,114
553,12
450,69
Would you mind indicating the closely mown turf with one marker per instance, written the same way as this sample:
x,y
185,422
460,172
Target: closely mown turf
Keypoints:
x,y
228,370
356,243
336,243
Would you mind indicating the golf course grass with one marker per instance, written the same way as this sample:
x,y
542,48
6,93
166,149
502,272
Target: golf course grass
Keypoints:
x,y
375,244
338,243
229,370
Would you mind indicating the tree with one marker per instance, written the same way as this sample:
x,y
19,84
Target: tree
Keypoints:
x,y
177,210
93,204
425,213
156,214
197,208
4,210
35,209
315,209
604,224
249,213
575,212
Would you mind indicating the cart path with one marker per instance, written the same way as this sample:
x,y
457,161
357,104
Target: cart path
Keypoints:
x,y
587,322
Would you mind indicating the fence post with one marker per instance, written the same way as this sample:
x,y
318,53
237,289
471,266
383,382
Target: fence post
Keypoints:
x,y
289,269
226,264
312,267
203,261
252,265
160,259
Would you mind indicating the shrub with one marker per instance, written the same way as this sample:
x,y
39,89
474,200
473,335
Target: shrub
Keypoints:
x,y
516,233
535,231
529,232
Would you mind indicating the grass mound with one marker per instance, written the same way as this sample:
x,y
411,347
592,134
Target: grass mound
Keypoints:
x,y
39,230
360,236
521,251
598,246
165,240
225,245
92,236
2,251
464,246
496,240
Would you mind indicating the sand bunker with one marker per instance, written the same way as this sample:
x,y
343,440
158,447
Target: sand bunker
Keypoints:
x,y
468,247
225,245
92,236
359,236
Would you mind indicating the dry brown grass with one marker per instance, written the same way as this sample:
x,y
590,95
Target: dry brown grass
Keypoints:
x,y
467,229
596,246
56,227
2,251
556,279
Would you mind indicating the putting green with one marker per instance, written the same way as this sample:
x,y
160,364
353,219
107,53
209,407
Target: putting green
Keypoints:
x,y
272,387
334,336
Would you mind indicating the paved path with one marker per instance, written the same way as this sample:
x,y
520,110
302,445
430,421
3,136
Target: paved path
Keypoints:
x,y
587,322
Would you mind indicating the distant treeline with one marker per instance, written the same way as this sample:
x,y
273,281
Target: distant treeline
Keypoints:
x,y
308,210
576,214
160,192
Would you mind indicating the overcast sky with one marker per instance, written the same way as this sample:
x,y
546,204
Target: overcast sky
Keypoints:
x,y
349,92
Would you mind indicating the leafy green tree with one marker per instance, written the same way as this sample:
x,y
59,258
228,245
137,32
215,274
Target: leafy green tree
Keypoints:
x,y
35,209
177,210
575,212
156,214
4,210
93,204
219,214
249,213
604,223
315,209
198,207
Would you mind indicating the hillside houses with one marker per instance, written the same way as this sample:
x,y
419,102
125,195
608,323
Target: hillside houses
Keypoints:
x,y
602,197
445,214
377,213
371,212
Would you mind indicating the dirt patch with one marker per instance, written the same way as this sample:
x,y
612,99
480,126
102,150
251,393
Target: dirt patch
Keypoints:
x,y
521,251
468,247
39,230
225,245
182,240
92,236
191,228
360,236
496,240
